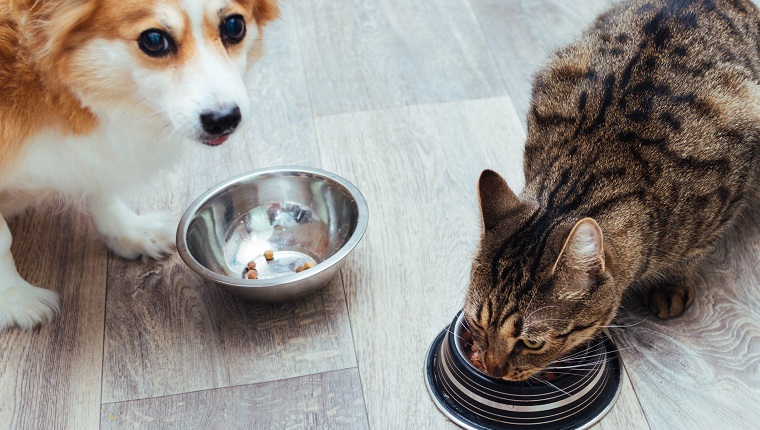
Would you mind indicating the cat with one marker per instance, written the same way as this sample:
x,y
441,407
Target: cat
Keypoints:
x,y
641,151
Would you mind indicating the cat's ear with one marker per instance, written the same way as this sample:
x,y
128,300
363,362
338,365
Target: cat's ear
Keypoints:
x,y
583,252
496,198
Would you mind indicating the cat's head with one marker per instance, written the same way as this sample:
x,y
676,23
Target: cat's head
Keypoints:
x,y
540,287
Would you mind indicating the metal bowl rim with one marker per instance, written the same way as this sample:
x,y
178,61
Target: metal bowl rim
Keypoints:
x,y
361,226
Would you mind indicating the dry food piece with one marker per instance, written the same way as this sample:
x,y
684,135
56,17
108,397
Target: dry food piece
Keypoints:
x,y
251,265
252,274
471,351
307,265
269,254
476,361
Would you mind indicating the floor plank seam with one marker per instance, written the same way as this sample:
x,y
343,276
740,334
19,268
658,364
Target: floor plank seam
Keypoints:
x,y
230,386
383,110
353,341
308,85
103,342
635,393
492,55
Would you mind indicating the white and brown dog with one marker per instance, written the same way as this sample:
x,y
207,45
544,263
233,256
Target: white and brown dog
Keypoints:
x,y
97,94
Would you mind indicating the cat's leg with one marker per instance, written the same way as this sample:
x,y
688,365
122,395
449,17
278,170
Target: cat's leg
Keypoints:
x,y
21,303
671,298
131,235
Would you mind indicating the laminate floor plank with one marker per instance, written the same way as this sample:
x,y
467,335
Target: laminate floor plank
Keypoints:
x,y
522,34
331,400
50,377
363,55
626,413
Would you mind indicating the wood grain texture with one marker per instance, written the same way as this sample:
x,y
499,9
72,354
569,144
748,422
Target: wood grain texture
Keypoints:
x,y
50,376
626,413
702,370
522,34
169,332
331,400
362,55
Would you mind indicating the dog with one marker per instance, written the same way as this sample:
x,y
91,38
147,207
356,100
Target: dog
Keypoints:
x,y
98,94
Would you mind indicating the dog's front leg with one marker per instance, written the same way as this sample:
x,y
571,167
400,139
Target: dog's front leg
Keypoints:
x,y
21,303
131,235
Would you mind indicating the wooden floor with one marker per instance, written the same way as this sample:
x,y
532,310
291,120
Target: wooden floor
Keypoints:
x,y
409,100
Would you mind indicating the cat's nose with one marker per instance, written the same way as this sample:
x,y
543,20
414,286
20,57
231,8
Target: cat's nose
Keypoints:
x,y
494,369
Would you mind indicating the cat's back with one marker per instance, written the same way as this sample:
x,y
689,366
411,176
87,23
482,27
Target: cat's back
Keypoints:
x,y
656,108
643,61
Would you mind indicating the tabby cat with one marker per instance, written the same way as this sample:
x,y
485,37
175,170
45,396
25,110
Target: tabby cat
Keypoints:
x,y
641,151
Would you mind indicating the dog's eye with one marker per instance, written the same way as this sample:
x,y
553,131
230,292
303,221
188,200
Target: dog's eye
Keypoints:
x,y
156,43
233,29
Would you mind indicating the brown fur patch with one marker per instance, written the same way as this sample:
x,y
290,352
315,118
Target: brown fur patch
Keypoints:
x,y
265,11
31,102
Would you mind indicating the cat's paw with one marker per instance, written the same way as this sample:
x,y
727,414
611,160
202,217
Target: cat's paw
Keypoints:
x,y
151,235
25,305
670,300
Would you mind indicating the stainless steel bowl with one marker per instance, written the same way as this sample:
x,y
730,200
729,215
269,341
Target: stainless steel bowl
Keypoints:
x,y
575,399
302,214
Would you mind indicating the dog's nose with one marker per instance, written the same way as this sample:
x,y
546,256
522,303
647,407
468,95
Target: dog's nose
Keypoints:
x,y
220,122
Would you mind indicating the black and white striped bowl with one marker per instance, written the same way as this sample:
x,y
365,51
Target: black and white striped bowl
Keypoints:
x,y
474,400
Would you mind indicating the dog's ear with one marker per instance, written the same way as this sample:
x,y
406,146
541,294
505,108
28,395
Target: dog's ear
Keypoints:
x,y
51,27
265,11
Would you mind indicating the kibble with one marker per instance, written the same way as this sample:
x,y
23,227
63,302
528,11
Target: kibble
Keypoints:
x,y
269,254
251,265
306,265
472,352
252,274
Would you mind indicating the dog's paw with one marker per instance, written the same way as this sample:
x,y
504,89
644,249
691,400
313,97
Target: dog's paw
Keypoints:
x,y
25,305
670,300
151,235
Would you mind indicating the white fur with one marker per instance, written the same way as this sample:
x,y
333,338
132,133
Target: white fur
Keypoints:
x,y
585,247
145,117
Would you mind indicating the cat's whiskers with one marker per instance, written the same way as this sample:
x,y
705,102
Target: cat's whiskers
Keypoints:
x,y
568,372
532,323
629,325
531,299
580,365
591,346
462,338
539,309
550,384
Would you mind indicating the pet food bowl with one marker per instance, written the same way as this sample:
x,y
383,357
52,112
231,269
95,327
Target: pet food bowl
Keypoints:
x,y
301,214
575,399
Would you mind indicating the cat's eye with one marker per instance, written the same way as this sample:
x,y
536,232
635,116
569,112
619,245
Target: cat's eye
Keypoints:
x,y
156,43
232,29
532,344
